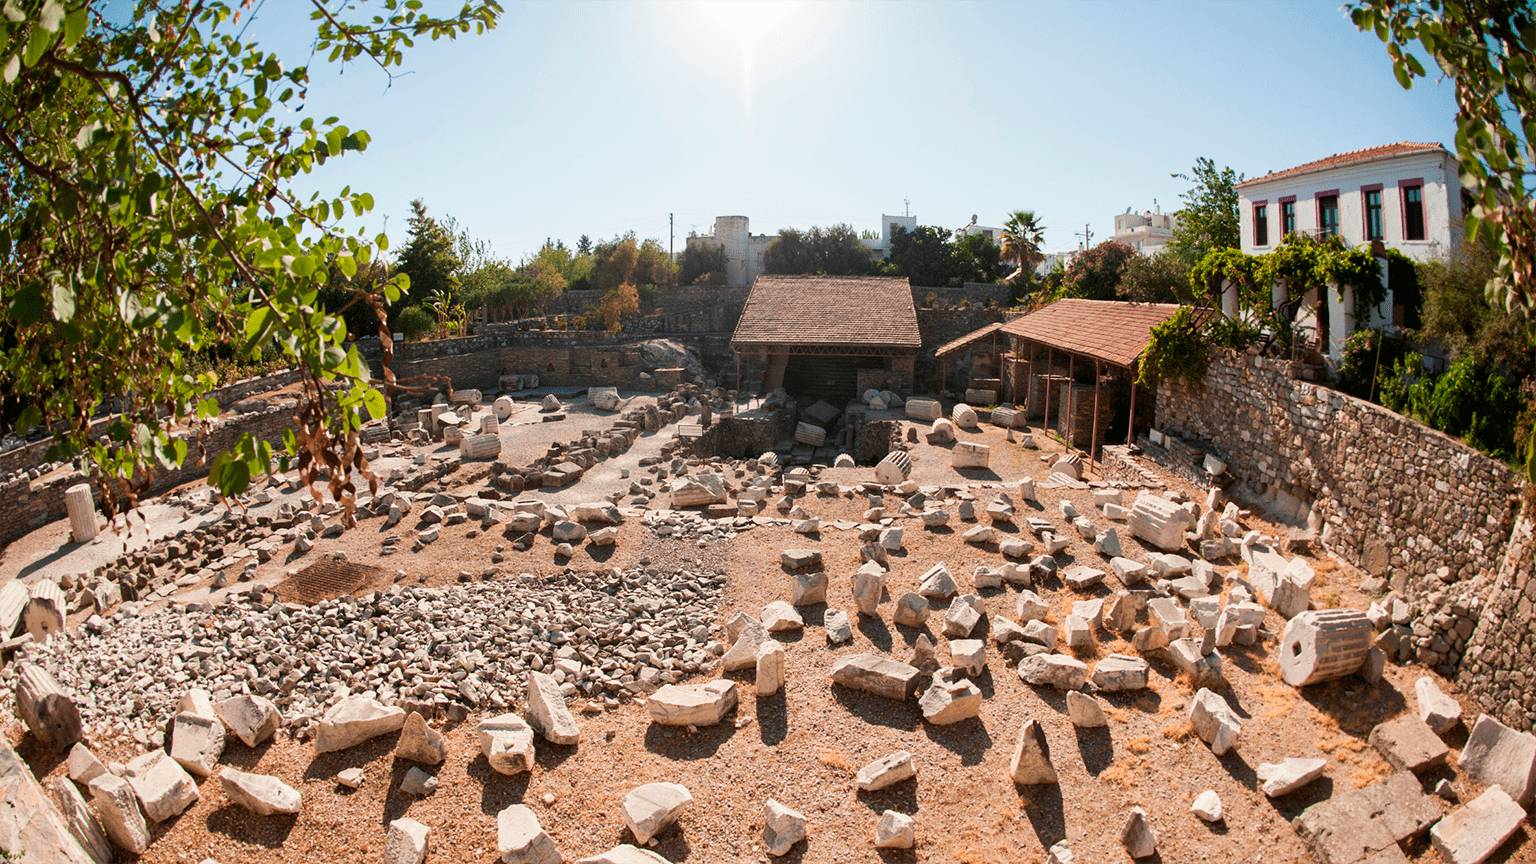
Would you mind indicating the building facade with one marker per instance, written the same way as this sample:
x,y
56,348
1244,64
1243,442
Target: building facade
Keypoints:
x,y
1405,195
743,251
1146,232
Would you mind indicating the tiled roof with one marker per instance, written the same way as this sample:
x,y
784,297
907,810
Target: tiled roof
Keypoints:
x,y
1109,330
829,310
1352,156
968,339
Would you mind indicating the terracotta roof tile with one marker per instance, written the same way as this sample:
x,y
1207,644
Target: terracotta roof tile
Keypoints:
x,y
1109,330
829,310
1351,157
956,345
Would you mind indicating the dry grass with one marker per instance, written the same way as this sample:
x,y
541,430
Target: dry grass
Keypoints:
x,y
1119,715
1279,700
835,759
1178,730
1140,745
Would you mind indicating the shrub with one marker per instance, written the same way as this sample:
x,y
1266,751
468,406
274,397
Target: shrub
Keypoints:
x,y
928,301
415,321
1472,401
1367,354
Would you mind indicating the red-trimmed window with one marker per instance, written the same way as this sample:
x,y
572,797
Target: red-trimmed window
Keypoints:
x,y
1261,224
1370,205
1287,217
1328,214
1413,212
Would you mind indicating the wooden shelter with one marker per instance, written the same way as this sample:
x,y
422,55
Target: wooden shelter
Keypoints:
x,y
830,337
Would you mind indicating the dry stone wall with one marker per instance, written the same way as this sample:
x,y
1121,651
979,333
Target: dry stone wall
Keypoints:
x,y
1496,667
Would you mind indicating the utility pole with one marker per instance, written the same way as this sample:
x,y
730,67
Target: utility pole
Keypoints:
x,y
671,233
1087,236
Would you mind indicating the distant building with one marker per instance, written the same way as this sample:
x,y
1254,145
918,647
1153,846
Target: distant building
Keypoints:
x,y
1146,232
1407,196
888,226
987,231
743,252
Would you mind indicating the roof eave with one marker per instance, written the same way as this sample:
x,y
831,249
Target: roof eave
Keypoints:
x,y
1285,175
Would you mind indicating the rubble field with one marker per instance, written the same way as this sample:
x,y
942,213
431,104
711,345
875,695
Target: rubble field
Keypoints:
x,y
742,660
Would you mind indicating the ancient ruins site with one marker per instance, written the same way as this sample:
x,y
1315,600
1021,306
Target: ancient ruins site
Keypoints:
x,y
905,590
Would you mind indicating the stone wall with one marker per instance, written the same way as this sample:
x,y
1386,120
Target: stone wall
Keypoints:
x,y
1393,497
1496,667
27,505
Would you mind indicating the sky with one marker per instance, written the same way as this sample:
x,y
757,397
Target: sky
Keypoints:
x,y
599,118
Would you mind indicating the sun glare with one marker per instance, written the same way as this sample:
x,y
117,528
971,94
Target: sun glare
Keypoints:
x,y
749,21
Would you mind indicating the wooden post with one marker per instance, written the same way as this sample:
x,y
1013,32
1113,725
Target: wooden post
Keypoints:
x,y
46,709
82,512
1071,397
1029,394
1130,428
1093,442
1050,369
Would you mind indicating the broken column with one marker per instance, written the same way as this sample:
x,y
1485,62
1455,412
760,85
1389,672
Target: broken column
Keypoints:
x,y
1159,521
1324,644
82,512
894,468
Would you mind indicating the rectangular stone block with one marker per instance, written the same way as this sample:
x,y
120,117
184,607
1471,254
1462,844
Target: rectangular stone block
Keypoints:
x,y
968,454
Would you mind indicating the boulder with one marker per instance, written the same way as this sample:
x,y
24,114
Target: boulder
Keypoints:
x,y
652,808
770,668
77,818
420,743
780,617
782,828
937,583
603,398
807,589
743,652
1214,721
1498,755
163,787
520,839
547,712
1031,763
197,742
1473,833
698,490
894,831
83,766
796,559
838,625
1055,670
867,586
950,699
1207,806
1408,744
507,744
1438,710
406,842
34,830
1085,711
872,673
354,720
693,704
911,610
261,794
118,809
625,854
1137,836
1279,778
1119,672
887,771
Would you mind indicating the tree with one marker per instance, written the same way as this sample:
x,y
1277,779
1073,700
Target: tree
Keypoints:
x,y
1458,314
1022,236
1208,219
1095,274
150,214
1155,279
701,262
626,259
584,245
978,258
430,258
834,251
925,256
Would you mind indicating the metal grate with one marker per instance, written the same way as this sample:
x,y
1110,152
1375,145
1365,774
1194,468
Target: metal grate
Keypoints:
x,y
329,579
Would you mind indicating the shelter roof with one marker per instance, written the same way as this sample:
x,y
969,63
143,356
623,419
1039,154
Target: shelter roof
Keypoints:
x,y
1110,330
831,311
1364,155
955,346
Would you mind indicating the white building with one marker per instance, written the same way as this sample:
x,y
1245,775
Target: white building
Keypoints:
x,y
1406,195
987,231
1146,232
888,226
743,252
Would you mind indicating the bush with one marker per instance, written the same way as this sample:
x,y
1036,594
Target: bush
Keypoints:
x,y
1472,401
414,321
1367,354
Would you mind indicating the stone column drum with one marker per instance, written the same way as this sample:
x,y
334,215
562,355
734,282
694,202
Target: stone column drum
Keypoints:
x,y
894,468
1324,644
82,512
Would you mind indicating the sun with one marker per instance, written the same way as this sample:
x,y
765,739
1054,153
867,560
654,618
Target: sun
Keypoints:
x,y
749,21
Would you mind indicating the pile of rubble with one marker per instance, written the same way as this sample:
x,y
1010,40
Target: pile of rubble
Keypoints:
x,y
601,635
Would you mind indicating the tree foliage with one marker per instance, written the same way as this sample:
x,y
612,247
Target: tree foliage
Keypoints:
x,y
1095,274
1022,235
627,259
924,255
978,258
430,259
1156,279
150,213
834,251
1209,219
702,263
1458,315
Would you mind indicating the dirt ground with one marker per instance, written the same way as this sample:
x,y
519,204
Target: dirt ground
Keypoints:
x,y
803,745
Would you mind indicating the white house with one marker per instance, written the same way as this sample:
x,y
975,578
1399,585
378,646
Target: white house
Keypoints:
x,y
1406,195
888,226
1146,232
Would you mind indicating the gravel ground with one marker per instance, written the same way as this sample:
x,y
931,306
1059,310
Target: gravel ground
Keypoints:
x,y
803,745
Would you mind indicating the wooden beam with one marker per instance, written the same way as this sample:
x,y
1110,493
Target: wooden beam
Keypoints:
x,y
1094,441
1130,428
1050,369
1071,397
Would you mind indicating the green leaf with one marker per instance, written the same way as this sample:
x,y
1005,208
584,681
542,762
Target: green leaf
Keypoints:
x,y
12,68
63,300
208,408
374,401
74,26
52,17
86,135
37,46
347,265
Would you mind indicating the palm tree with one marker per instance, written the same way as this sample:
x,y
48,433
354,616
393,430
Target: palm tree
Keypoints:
x,y
1022,235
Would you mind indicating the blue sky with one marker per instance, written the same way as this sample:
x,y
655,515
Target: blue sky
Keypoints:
x,y
598,118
